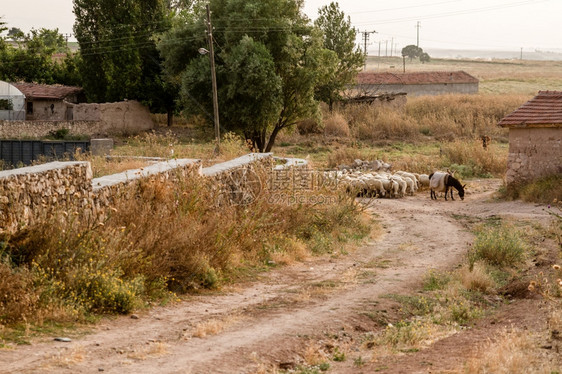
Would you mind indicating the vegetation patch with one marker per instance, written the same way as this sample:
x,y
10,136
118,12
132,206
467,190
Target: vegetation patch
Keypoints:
x,y
173,238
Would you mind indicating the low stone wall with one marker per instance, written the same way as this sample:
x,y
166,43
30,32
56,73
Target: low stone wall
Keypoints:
x,y
240,181
109,188
32,193
40,129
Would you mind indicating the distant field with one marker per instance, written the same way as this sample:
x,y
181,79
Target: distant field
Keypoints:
x,y
496,77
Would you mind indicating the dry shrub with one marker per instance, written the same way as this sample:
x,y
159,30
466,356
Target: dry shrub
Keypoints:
x,y
477,278
171,236
309,126
513,352
388,124
544,190
336,125
343,156
18,299
470,159
214,326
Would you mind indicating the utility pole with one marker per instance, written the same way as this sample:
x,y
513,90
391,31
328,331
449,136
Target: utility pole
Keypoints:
x,y
386,49
391,46
365,41
380,41
213,80
66,36
418,39
521,58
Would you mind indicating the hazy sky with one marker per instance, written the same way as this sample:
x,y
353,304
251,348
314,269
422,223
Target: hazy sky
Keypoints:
x,y
459,24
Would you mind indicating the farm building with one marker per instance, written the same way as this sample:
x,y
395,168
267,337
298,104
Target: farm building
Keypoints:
x,y
12,102
417,84
535,134
50,102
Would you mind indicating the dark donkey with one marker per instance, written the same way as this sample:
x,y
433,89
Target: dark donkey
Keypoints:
x,y
441,182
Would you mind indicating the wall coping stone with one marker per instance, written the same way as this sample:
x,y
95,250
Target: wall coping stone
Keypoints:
x,y
235,163
36,169
135,174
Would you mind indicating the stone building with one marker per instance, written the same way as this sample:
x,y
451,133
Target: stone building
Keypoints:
x,y
417,84
535,136
50,102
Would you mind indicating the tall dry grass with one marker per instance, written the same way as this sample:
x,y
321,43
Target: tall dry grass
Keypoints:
x,y
444,117
172,237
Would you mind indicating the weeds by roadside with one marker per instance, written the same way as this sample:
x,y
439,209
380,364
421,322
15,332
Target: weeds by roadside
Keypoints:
x,y
171,239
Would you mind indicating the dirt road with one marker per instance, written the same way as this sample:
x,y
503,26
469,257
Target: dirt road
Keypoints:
x,y
274,321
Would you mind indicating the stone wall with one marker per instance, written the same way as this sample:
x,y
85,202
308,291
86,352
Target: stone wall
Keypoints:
x,y
533,153
240,181
33,193
109,188
40,129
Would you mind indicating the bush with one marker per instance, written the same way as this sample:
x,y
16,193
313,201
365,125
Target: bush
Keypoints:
x,y
172,237
18,299
336,125
544,190
498,246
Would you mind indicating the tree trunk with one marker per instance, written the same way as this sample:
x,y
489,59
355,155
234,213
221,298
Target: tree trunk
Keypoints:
x,y
272,137
170,116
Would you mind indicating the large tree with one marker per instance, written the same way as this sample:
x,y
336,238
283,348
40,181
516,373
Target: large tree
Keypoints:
x,y
339,36
269,61
32,60
118,49
411,51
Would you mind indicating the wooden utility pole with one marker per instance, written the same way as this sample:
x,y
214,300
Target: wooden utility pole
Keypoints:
x,y
213,80
365,41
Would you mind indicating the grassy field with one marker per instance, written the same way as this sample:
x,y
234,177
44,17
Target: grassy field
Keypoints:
x,y
496,76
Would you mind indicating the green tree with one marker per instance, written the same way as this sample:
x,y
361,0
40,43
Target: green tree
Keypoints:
x,y
424,57
269,61
411,51
45,41
339,36
16,35
118,46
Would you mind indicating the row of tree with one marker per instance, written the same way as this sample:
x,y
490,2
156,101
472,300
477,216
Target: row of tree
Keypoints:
x,y
273,65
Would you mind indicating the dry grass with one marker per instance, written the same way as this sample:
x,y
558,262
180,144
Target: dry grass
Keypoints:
x,y
469,158
66,358
444,117
476,279
214,326
173,237
336,125
513,352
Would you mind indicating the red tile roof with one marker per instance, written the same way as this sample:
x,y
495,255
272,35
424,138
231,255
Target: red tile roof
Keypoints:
x,y
429,77
48,92
544,109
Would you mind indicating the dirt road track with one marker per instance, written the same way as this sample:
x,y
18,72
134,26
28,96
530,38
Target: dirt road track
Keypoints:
x,y
270,321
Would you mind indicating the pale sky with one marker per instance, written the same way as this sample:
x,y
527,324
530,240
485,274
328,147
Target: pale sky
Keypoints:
x,y
457,24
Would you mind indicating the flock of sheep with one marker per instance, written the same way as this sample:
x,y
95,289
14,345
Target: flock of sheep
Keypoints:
x,y
375,179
